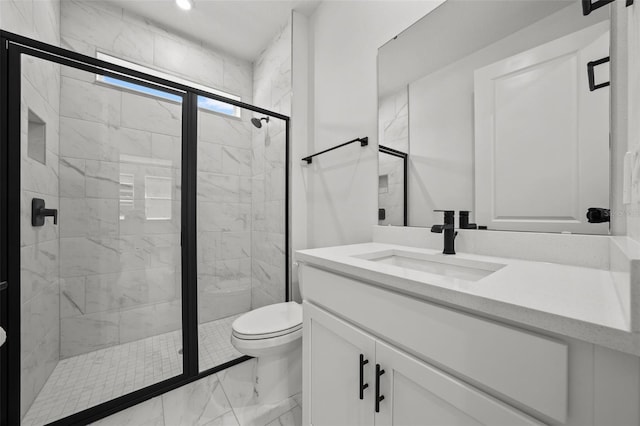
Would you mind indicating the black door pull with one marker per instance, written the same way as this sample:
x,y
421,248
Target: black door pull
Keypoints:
x,y
39,212
379,372
363,385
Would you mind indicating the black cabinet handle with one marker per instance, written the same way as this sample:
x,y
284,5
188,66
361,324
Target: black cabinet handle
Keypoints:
x,y
363,386
379,372
3,285
591,74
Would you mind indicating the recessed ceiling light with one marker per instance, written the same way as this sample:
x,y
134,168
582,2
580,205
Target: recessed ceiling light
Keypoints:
x,y
184,4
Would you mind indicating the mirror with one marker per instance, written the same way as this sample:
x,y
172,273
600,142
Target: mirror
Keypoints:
x,y
502,109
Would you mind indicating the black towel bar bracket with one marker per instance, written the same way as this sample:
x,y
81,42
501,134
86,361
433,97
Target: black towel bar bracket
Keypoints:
x,y
363,142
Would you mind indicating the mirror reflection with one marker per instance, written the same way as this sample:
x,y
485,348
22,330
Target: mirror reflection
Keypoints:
x,y
505,113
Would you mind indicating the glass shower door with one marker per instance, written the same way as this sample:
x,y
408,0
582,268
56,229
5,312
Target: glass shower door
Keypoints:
x,y
100,238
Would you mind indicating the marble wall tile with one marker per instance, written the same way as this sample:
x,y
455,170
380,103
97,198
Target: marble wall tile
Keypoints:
x,y
90,217
218,188
238,78
197,403
167,148
213,305
260,298
209,157
235,245
44,77
208,247
80,256
72,177
214,128
236,161
38,268
268,247
38,177
144,321
274,216
17,17
102,179
86,139
89,101
102,25
39,317
188,59
88,333
274,184
129,288
223,217
72,297
151,114
131,141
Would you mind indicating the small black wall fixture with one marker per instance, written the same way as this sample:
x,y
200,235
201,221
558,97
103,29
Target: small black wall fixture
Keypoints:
x,y
363,142
39,212
629,3
590,73
588,6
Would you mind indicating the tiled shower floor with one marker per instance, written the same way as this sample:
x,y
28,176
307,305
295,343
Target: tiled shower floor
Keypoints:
x,y
85,380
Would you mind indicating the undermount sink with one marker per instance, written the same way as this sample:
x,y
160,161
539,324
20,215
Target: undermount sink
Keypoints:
x,y
439,264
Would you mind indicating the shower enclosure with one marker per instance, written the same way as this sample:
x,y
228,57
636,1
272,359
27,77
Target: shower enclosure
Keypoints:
x,y
139,217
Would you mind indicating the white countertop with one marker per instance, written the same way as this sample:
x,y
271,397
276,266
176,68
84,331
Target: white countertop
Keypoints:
x,y
574,301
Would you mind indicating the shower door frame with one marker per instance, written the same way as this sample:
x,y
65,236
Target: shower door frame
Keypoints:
x,y
12,47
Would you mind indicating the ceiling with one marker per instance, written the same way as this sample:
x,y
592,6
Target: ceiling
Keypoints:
x,y
242,28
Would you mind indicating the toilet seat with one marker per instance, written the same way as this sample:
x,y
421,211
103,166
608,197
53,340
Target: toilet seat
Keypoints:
x,y
268,322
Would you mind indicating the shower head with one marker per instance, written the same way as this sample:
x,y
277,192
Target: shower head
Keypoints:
x,y
258,121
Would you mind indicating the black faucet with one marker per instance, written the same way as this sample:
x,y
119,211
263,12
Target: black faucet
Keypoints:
x,y
449,231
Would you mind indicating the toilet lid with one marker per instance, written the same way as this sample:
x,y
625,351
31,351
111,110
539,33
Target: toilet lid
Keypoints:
x,y
269,321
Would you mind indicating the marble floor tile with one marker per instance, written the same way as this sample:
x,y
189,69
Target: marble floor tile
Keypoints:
x,y
239,383
148,413
195,404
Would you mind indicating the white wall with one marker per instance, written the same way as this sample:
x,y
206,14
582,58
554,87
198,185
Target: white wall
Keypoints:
x,y
342,186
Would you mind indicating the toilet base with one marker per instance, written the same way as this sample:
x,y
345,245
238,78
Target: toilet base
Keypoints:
x,y
279,376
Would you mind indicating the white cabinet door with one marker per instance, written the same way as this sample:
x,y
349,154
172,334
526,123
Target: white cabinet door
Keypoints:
x,y
542,137
331,373
416,393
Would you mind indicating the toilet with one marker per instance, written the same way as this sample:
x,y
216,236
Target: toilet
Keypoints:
x,y
272,334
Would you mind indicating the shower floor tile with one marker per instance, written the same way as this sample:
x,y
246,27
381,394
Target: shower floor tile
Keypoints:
x,y
80,382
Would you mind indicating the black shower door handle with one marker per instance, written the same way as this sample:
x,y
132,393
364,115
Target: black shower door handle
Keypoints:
x,y
363,385
379,372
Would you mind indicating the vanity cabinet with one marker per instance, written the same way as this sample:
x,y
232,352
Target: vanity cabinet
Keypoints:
x,y
354,378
